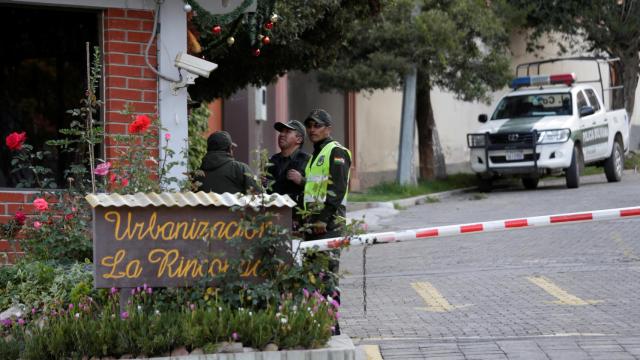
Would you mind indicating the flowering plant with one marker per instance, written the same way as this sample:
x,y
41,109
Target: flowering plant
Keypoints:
x,y
136,167
28,166
97,327
60,231
15,140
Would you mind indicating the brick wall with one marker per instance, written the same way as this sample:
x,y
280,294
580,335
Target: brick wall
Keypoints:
x,y
127,80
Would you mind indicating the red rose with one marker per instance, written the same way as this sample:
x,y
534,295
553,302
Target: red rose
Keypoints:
x,y
15,140
140,124
68,217
20,217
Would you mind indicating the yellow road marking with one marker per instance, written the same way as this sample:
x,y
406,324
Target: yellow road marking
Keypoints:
x,y
435,301
626,251
564,298
372,352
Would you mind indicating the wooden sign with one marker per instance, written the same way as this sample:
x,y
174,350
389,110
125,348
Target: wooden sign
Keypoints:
x,y
165,246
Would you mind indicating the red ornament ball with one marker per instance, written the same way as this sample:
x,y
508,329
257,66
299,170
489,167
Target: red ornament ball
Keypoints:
x,y
216,30
268,25
256,52
266,40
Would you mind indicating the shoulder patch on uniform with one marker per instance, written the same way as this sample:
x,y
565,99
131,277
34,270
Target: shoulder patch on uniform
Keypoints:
x,y
338,160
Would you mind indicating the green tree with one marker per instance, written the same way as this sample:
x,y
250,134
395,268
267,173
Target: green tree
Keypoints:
x,y
456,45
610,27
305,36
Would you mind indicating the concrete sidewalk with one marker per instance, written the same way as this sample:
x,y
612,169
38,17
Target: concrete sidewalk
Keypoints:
x,y
377,214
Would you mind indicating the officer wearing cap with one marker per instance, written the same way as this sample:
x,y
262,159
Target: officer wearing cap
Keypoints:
x,y
222,173
325,194
286,168
327,179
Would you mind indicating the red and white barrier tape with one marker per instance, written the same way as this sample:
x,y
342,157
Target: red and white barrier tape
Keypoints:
x,y
471,228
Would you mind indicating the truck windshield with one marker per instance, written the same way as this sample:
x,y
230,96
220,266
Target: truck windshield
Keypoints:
x,y
523,106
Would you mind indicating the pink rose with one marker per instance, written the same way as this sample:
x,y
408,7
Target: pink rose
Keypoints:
x,y
37,225
102,169
167,136
40,204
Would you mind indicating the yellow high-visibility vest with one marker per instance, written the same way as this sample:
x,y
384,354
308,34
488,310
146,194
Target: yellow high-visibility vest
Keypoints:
x,y
317,174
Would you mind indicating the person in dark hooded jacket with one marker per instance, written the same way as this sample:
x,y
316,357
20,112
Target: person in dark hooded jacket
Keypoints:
x,y
222,173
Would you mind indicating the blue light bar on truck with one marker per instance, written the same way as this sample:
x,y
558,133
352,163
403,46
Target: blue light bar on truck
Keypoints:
x,y
566,79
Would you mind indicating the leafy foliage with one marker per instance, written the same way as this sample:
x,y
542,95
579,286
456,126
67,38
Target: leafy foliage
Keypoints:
x,y
458,46
30,169
198,126
151,326
305,37
84,132
41,285
600,27
62,232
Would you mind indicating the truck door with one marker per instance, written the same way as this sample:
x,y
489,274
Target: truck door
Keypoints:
x,y
600,136
588,124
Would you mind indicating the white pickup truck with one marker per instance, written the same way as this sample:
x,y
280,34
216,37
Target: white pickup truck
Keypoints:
x,y
549,125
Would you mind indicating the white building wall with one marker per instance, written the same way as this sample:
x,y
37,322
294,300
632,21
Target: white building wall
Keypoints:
x,y
378,128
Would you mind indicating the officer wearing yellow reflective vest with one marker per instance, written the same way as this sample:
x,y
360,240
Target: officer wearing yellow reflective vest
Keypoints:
x,y
327,179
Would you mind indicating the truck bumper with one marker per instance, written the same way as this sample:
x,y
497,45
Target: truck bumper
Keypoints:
x,y
548,157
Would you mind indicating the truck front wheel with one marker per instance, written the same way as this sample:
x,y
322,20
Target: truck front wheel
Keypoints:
x,y
530,182
572,173
614,164
485,184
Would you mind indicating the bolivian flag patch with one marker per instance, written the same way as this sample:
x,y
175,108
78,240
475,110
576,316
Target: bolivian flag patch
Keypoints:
x,y
338,160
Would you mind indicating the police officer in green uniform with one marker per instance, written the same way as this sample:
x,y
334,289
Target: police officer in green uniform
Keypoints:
x,y
327,179
325,193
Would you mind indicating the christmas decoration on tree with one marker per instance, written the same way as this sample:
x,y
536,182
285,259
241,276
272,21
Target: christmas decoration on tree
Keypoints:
x,y
220,34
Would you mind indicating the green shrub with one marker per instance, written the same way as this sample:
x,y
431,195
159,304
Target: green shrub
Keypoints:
x,y
89,328
198,126
40,284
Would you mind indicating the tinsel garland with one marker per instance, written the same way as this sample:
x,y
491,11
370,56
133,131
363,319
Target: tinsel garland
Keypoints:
x,y
232,25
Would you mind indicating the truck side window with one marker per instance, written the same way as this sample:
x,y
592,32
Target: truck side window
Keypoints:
x,y
593,99
582,101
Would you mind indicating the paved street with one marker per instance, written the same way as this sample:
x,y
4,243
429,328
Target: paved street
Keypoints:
x,y
560,292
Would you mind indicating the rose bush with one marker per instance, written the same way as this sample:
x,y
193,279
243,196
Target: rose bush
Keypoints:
x,y
15,140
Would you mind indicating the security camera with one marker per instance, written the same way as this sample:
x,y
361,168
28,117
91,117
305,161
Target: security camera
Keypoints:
x,y
195,65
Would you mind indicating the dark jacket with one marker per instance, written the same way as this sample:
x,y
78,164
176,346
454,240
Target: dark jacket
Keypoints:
x,y
224,174
277,172
337,188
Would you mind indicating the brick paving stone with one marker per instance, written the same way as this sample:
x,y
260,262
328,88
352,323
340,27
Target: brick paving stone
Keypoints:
x,y
500,313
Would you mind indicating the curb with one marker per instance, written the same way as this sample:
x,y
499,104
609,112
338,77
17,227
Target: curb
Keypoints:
x,y
405,202
339,347
422,199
